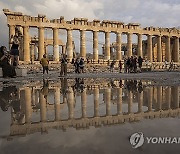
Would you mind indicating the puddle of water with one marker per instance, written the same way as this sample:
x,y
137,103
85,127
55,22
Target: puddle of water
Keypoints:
x,y
88,105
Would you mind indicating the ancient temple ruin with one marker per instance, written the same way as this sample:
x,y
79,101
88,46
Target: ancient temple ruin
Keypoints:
x,y
161,44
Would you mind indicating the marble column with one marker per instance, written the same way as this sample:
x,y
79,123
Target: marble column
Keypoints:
x,y
26,42
41,43
71,103
95,45
108,101
150,98
56,44
140,102
107,46
159,97
119,101
149,45
57,103
84,103
129,44
11,33
32,52
69,44
176,52
159,49
82,43
118,49
28,112
140,53
168,49
43,112
130,102
96,102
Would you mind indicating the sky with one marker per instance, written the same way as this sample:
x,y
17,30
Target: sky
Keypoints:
x,y
158,13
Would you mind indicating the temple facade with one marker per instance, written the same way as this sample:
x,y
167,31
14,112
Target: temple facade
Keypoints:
x,y
166,46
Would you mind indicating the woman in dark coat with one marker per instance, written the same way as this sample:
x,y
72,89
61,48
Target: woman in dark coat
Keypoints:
x,y
8,70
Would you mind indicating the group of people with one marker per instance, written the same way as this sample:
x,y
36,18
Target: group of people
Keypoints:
x,y
10,60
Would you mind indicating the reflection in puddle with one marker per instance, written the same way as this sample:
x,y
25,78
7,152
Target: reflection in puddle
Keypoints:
x,y
81,103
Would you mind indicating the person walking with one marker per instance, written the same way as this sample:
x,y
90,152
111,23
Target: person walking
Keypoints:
x,y
120,66
63,65
44,62
140,61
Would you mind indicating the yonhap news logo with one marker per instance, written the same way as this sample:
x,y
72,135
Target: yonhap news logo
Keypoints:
x,y
138,139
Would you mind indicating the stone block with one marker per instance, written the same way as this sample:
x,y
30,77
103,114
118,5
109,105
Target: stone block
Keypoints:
x,y
1,73
21,72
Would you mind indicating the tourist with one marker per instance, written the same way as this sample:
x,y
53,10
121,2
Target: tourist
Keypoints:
x,y
14,50
120,66
81,65
128,65
131,64
76,65
44,62
171,66
134,64
140,61
112,66
63,65
125,65
8,70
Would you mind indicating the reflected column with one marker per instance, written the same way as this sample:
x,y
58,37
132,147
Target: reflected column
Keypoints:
x,y
150,98
130,101
119,101
108,101
140,101
42,101
71,103
28,114
168,97
96,102
175,96
159,97
57,103
84,102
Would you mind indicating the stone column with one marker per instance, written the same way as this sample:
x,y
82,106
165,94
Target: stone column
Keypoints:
x,y
118,49
71,103
119,101
176,52
42,101
28,114
140,101
96,102
140,45
175,96
32,52
130,101
56,44
108,101
149,45
84,103
82,43
168,49
159,97
168,97
159,49
11,33
57,103
41,43
95,45
150,98
63,49
69,44
26,44
129,44
107,46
